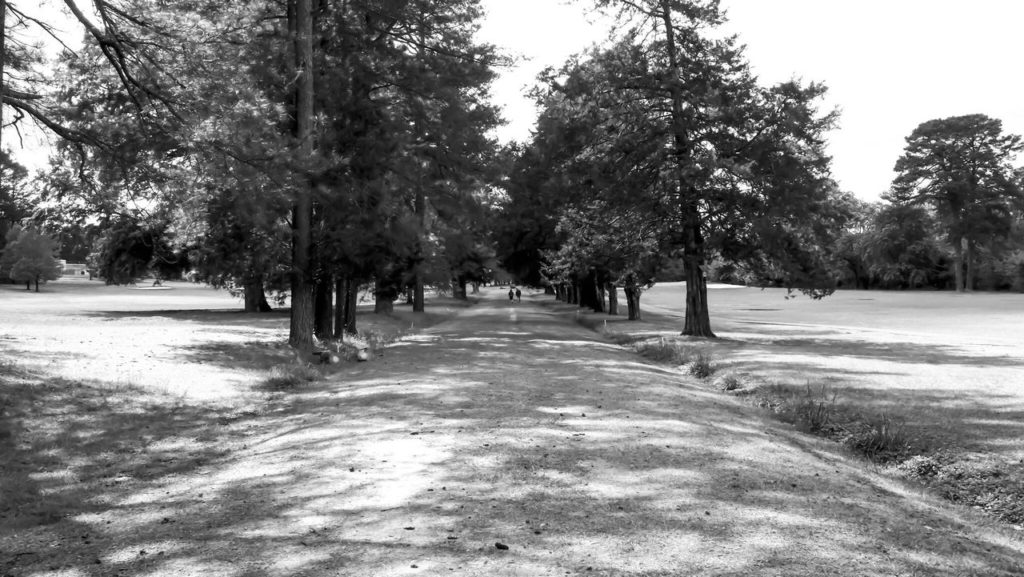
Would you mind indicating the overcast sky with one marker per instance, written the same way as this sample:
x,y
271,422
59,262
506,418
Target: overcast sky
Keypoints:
x,y
889,64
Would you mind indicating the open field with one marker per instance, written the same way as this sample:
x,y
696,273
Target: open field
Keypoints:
x,y
952,365
492,424
948,367
182,339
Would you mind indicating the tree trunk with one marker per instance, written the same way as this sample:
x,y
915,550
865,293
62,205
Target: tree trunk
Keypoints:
x,y
420,200
698,322
324,318
37,284
574,293
340,304
301,326
970,271
958,265
384,298
613,299
254,296
559,293
419,300
633,301
588,292
459,288
3,60
352,298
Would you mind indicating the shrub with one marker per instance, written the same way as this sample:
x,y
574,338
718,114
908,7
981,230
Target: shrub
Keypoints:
x,y
920,467
702,366
377,341
729,382
662,350
882,439
811,408
283,377
668,351
814,409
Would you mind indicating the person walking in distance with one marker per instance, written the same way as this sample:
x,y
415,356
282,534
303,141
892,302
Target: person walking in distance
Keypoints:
x,y
511,294
519,295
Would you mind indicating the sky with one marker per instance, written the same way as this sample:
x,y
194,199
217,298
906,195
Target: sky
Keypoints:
x,y
889,64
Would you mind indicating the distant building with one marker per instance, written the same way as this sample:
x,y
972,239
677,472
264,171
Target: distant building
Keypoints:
x,y
71,269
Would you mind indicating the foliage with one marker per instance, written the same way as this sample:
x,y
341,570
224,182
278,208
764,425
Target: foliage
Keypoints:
x,y
960,168
30,257
881,439
287,377
974,480
703,365
15,203
669,122
130,249
729,382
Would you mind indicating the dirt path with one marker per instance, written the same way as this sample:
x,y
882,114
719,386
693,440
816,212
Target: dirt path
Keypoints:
x,y
509,424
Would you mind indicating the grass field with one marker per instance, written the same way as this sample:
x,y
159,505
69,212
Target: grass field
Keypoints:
x,y
948,368
139,437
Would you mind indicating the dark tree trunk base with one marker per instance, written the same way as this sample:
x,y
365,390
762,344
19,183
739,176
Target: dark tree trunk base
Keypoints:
x,y
613,299
633,303
323,315
698,320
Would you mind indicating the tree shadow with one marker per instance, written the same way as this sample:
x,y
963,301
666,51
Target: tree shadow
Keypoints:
x,y
579,457
219,317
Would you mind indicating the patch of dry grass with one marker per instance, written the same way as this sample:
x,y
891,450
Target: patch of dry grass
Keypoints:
x,y
290,376
61,439
908,435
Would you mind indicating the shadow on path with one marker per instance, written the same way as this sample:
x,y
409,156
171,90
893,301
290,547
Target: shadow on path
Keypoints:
x,y
507,425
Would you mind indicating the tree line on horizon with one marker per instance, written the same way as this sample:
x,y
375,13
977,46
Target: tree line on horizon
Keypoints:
x,y
310,147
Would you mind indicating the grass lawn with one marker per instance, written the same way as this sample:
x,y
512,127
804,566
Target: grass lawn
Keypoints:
x,y
140,435
945,369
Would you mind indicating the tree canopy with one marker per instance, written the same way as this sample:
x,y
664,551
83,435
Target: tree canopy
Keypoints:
x,y
961,168
30,257
669,122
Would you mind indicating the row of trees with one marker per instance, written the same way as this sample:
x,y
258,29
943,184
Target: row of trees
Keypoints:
x,y
310,146
663,145
661,150
305,146
954,218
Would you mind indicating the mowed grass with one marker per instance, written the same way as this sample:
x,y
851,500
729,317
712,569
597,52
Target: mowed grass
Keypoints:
x,y
104,385
929,384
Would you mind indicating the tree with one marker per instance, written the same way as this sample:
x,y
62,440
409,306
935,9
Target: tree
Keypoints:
x,y
239,241
30,257
902,249
960,167
733,170
15,204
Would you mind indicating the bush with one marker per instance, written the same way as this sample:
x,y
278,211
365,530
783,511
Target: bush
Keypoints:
x,y
729,382
811,408
978,480
663,350
283,377
882,439
668,351
920,467
702,366
814,409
